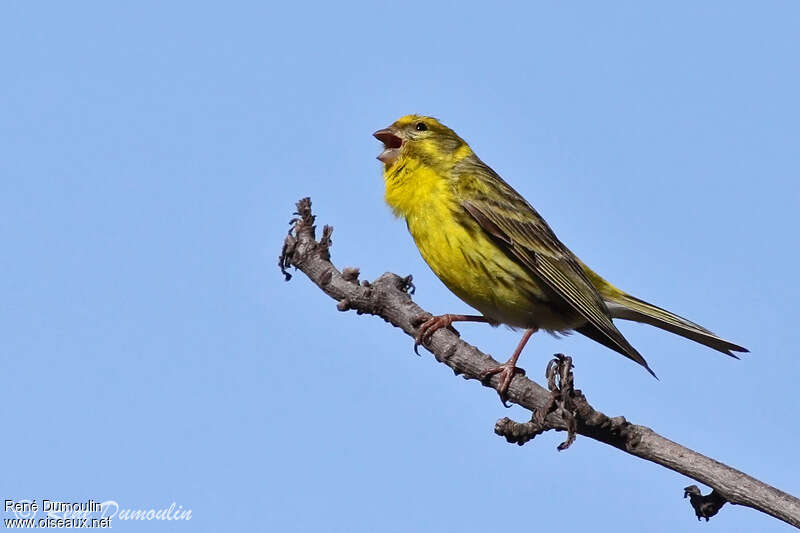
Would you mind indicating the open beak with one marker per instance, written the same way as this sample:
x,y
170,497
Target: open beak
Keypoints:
x,y
391,145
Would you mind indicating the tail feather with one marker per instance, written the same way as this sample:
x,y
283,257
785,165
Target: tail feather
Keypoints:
x,y
627,350
628,307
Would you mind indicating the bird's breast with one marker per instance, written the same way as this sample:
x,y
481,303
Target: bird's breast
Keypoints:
x,y
464,257
478,271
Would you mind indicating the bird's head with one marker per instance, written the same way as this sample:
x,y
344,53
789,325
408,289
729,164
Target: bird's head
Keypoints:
x,y
422,138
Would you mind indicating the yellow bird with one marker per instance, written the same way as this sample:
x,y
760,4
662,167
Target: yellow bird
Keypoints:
x,y
495,252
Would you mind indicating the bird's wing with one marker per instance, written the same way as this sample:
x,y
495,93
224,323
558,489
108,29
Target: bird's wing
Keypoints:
x,y
525,236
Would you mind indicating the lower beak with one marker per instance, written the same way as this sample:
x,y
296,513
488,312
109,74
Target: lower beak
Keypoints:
x,y
391,145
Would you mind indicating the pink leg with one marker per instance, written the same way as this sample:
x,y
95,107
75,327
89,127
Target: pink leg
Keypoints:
x,y
507,369
430,326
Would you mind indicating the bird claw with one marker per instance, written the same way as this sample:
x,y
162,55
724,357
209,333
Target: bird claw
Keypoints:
x,y
507,372
431,326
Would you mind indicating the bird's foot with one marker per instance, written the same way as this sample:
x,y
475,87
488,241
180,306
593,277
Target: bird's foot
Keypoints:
x,y
507,371
431,326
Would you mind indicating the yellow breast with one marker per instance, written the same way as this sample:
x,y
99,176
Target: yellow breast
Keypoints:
x,y
461,254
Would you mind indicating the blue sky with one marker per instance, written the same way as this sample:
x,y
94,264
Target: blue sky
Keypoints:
x,y
152,353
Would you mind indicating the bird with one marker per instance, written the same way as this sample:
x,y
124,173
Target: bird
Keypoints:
x,y
494,251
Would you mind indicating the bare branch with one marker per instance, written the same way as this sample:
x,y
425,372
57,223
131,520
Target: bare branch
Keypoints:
x,y
561,408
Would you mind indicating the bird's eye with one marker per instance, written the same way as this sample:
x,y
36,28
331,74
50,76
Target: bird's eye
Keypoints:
x,y
421,126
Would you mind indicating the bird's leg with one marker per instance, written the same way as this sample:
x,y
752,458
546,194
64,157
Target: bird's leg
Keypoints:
x,y
430,326
507,369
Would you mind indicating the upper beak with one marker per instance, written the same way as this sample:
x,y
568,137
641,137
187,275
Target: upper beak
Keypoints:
x,y
388,138
391,145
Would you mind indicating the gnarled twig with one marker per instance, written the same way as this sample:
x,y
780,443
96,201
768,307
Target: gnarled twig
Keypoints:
x,y
563,409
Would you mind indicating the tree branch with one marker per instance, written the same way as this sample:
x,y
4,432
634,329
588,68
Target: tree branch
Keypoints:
x,y
561,408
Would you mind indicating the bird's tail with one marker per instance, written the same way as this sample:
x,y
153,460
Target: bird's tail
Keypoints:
x,y
628,307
